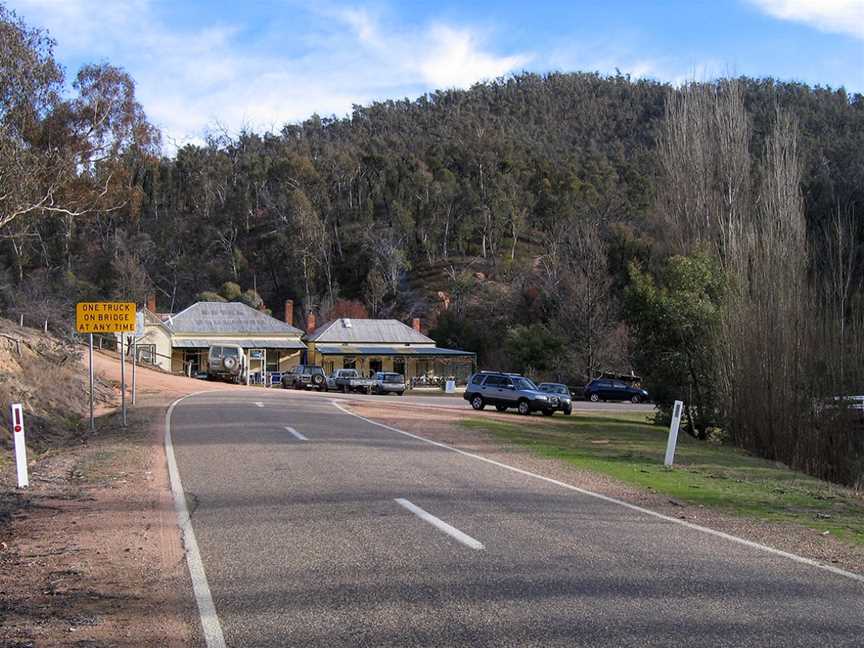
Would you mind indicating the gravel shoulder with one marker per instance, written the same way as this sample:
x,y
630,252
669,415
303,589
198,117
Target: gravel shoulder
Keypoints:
x,y
444,427
91,554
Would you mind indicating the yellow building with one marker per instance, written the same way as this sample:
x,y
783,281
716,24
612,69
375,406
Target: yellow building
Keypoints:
x,y
371,345
179,343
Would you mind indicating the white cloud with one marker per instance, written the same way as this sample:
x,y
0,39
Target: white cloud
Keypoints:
x,y
191,78
838,16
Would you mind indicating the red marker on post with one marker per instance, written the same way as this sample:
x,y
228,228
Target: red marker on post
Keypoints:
x,y
20,446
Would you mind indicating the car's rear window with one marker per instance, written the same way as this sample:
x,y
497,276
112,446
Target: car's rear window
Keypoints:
x,y
229,352
392,378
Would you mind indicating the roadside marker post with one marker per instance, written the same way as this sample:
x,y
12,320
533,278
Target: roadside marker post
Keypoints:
x,y
20,446
673,433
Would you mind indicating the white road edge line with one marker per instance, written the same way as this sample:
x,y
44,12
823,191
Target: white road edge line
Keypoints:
x,y
612,500
440,524
210,625
296,433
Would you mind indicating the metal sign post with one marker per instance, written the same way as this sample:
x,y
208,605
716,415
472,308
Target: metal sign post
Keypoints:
x,y
90,354
123,375
673,433
20,445
139,332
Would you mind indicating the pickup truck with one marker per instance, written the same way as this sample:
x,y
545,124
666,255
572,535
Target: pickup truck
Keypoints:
x,y
349,380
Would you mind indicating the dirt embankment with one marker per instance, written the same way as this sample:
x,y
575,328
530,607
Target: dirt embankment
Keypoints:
x,y
90,554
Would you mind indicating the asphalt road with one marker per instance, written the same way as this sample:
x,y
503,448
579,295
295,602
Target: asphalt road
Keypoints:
x,y
328,541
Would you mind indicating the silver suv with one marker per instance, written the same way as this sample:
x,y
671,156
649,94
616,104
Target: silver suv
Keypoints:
x,y
505,390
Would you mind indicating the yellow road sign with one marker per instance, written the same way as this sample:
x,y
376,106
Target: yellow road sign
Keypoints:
x,y
105,317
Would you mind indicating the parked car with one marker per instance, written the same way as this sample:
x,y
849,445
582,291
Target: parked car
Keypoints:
x,y
389,383
565,398
304,377
505,390
227,362
608,389
349,380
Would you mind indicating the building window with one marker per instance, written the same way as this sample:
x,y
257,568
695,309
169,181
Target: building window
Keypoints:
x,y
399,366
349,363
375,365
273,358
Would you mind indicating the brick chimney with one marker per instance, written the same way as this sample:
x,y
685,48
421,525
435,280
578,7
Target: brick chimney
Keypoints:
x,y
310,322
151,302
415,323
289,312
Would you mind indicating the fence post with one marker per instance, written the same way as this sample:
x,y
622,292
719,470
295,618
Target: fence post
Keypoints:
x,y
21,320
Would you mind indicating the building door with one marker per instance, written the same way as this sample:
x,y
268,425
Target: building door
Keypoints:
x,y
399,365
375,365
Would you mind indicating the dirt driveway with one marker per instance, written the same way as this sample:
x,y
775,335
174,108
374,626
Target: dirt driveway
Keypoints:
x,y
91,553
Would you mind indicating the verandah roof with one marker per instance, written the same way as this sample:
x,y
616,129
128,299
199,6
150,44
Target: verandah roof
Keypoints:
x,y
245,343
428,352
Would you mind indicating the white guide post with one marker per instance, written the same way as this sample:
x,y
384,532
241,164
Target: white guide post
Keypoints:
x,y
20,447
673,432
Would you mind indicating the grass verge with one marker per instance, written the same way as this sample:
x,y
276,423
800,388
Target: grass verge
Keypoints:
x,y
629,448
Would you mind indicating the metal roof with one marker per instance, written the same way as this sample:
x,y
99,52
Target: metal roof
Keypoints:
x,y
246,344
231,318
387,331
433,352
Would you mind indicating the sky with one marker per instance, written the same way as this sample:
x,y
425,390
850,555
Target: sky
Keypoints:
x,y
223,65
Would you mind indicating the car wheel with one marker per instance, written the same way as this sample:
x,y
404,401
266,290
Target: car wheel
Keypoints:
x,y
635,400
594,398
524,408
477,403
501,408
568,411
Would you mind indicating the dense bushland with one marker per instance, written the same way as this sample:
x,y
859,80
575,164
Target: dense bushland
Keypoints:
x,y
707,236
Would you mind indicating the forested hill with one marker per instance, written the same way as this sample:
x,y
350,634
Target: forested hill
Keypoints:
x,y
481,211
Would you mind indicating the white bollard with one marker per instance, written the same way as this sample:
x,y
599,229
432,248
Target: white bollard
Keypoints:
x,y
673,433
20,447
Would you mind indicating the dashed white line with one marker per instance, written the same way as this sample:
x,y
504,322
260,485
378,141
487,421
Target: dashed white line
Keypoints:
x,y
440,524
584,491
210,625
296,433
258,404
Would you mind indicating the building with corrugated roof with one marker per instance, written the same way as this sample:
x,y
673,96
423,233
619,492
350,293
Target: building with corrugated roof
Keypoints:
x,y
371,345
179,343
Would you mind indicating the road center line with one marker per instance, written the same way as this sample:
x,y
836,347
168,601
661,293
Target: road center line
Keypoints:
x,y
296,433
584,491
441,525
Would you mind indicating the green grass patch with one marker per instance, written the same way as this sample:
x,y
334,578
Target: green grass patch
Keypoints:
x,y
630,448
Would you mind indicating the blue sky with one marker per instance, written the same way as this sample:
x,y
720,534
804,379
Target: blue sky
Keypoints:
x,y
204,66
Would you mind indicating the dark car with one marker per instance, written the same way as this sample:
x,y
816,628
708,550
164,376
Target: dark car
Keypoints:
x,y
565,399
609,389
305,376
504,390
